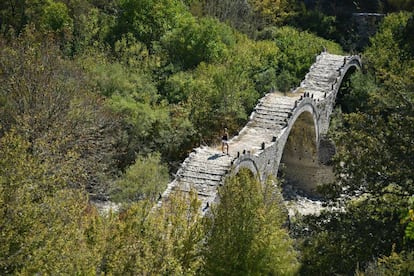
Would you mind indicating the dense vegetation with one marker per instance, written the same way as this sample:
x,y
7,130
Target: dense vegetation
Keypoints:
x,y
102,100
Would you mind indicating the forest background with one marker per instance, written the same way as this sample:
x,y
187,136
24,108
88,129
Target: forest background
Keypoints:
x,y
102,100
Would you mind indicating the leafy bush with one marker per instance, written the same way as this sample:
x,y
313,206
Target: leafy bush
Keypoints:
x,y
295,59
56,16
53,107
204,40
149,20
145,179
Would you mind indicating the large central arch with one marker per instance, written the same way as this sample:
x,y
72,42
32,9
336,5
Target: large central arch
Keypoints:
x,y
299,160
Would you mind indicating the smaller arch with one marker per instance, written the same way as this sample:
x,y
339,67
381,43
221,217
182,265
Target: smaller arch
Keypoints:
x,y
247,163
342,90
351,64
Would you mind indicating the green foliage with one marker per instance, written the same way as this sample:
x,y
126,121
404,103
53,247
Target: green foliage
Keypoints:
x,y
115,79
258,60
389,54
73,23
56,16
204,40
146,178
91,29
178,87
314,21
273,12
48,229
250,16
381,134
164,241
49,105
409,29
148,125
285,81
69,124
149,128
149,20
223,94
144,123
408,220
11,14
356,96
338,242
58,243
219,96
236,13
245,231
407,5
18,14
384,144
295,59
396,264
134,55
43,224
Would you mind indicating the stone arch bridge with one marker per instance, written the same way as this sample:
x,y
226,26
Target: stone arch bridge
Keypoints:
x,y
284,131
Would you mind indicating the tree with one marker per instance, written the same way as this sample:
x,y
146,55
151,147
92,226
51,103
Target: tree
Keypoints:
x,y
395,264
204,40
149,20
145,179
399,5
337,242
218,95
46,227
50,105
294,60
238,14
17,14
56,17
245,232
273,12
314,21
389,54
165,240
380,134
148,122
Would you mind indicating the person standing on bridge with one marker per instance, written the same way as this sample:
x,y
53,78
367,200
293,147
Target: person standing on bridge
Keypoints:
x,y
225,141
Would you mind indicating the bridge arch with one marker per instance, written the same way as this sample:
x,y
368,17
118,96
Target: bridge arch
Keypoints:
x,y
247,162
298,145
349,65
343,88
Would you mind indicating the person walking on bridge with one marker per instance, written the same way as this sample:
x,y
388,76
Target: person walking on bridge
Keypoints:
x,y
225,141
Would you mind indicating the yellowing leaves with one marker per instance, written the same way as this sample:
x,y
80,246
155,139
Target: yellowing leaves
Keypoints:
x,y
273,11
